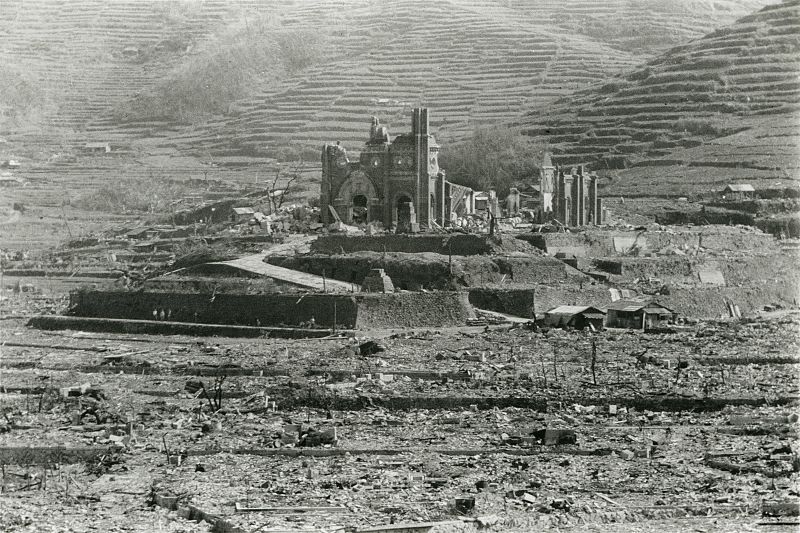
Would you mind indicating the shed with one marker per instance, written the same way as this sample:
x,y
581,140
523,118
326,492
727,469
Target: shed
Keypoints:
x,y
738,191
639,315
575,316
242,214
102,147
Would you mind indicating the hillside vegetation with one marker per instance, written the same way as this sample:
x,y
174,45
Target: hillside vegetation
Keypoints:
x,y
718,110
228,67
471,62
280,72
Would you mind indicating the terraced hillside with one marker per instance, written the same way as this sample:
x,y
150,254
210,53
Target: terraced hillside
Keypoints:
x,y
471,62
71,66
64,63
721,109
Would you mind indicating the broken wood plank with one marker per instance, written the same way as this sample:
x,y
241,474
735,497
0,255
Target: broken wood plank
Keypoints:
x,y
609,500
290,509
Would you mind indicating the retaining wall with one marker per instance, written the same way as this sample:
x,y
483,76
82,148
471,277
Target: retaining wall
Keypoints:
x,y
710,302
517,302
456,244
553,243
434,271
408,309
413,309
548,297
210,308
690,302
609,243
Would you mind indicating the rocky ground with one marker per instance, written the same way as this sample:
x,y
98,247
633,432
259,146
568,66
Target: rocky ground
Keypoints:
x,y
503,428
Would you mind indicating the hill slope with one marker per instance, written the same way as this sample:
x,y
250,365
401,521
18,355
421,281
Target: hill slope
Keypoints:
x,y
472,62
87,64
727,101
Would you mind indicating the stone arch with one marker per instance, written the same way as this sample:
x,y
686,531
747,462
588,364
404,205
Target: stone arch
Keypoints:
x,y
355,196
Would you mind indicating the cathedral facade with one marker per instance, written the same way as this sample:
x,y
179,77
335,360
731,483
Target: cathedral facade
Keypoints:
x,y
397,182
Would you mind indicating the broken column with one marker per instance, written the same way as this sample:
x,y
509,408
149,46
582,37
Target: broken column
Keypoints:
x,y
512,202
580,196
570,202
377,281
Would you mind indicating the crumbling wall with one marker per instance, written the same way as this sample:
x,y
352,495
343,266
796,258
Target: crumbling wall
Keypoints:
x,y
738,241
517,302
408,271
244,285
434,271
413,309
644,267
553,243
709,302
456,244
759,270
209,308
612,243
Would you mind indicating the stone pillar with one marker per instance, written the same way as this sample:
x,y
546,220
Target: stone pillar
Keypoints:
x,y
569,201
512,202
599,210
593,212
422,193
560,207
581,197
447,204
325,188
442,214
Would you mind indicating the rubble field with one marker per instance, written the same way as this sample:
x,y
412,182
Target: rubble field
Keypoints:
x,y
488,428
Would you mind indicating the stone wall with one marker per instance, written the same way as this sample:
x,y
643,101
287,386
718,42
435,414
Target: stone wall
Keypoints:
x,y
610,243
518,302
435,271
210,308
548,297
553,243
363,311
456,244
409,309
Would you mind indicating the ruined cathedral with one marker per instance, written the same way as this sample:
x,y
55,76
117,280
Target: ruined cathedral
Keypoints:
x,y
397,182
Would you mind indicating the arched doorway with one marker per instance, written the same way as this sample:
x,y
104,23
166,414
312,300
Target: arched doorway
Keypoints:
x,y
360,209
404,213
356,198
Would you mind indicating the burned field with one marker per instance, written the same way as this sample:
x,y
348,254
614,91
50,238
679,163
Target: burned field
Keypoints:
x,y
577,310
525,370
462,429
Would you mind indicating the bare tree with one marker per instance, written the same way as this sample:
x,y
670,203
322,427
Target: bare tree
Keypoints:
x,y
287,177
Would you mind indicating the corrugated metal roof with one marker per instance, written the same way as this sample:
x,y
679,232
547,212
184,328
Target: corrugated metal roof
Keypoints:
x,y
740,187
572,310
625,305
630,307
567,310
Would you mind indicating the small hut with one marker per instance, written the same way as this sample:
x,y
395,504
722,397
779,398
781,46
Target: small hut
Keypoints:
x,y
738,191
575,316
639,315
